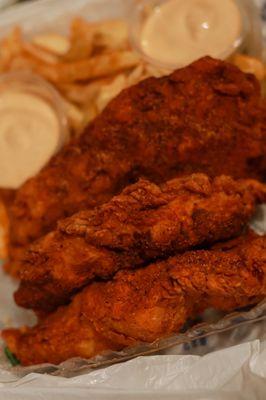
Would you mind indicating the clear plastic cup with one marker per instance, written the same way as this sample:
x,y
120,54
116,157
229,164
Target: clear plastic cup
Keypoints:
x,y
28,82
33,126
248,42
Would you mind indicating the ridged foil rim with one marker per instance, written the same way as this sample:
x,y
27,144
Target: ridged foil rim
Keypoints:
x,y
78,366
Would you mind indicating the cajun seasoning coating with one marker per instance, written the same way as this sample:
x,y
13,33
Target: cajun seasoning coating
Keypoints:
x,y
147,304
208,117
72,177
143,223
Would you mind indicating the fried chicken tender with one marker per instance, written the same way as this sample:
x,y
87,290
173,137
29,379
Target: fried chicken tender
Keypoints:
x,y
208,117
143,223
147,304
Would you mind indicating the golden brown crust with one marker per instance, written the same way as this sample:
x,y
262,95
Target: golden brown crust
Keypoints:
x,y
147,304
207,117
143,223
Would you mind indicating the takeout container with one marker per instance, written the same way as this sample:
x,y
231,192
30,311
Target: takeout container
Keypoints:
x,y
232,329
5,3
49,14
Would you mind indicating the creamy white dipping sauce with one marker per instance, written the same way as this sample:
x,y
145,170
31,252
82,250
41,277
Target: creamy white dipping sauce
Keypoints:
x,y
29,136
181,31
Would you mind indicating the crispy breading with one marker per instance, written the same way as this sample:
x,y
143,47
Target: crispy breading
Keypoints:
x,y
208,117
143,223
147,304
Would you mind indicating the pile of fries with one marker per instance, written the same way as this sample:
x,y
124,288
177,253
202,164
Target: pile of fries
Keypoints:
x,y
89,67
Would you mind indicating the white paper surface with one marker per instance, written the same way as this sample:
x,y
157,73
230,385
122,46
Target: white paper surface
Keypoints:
x,y
234,373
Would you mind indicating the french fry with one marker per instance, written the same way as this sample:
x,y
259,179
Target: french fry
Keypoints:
x,y
4,228
96,67
93,68
27,62
110,35
21,63
109,91
75,117
10,47
52,43
136,75
39,53
81,94
249,65
88,38
81,40
89,113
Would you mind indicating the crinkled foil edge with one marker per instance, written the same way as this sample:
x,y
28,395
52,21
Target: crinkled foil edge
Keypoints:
x,y
78,366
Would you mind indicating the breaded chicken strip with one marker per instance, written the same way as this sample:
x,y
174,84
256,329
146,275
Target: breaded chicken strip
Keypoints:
x,y
208,117
147,304
143,223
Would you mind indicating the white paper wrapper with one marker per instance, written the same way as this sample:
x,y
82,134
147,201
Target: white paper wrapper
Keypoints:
x,y
233,373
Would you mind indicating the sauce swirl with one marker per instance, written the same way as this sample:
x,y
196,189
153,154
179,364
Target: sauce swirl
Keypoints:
x,y
181,31
29,136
